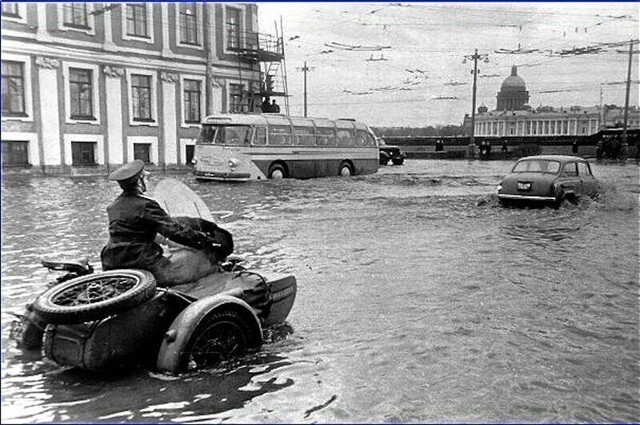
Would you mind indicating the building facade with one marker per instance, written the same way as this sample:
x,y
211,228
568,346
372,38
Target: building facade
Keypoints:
x,y
89,86
514,117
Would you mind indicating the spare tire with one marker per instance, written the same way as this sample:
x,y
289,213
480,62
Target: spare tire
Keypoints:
x,y
95,296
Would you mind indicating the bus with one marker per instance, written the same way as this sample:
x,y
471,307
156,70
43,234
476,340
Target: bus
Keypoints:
x,y
243,147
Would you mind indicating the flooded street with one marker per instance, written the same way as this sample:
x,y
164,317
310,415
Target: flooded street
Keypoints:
x,y
419,299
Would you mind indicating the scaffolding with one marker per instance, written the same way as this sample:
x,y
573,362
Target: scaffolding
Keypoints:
x,y
268,51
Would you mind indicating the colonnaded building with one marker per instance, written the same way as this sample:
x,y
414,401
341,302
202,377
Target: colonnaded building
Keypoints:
x,y
514,117
89,86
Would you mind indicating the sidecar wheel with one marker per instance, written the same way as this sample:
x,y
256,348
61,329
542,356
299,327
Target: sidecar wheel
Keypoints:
x,y
220,336
95,296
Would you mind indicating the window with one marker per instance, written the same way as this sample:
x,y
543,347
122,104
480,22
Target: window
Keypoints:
x,y
15,153
142,151
137,20
261,136
10,10
188,23
75,15
345,137
584,169
304,136
326,136
237,103
141,97
192,96
233,28
81,93
83,153
13,89
570,170
364,138
279,135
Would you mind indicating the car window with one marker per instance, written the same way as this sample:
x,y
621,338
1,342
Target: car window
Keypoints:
x,y
570,170
584,169
537,166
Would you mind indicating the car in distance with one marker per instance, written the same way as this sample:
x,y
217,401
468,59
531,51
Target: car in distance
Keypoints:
x,y
548,179
390,153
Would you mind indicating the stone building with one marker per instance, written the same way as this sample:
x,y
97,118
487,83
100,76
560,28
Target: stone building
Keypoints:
x,y
88,86
514,117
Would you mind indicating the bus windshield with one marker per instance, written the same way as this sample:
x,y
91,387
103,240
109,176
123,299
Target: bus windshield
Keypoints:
x,y
225,134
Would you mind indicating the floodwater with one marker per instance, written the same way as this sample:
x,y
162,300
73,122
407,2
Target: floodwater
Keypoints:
x,y
420,299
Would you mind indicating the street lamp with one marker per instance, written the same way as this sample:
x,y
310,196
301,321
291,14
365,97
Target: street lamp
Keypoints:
x,y
471,151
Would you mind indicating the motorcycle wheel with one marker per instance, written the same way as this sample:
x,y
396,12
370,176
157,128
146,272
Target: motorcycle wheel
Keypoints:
x,y
95,296
220,336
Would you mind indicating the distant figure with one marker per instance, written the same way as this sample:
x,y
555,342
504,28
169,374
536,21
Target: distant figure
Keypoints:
x,y
274,107
574,146
504,146
439,145
266,106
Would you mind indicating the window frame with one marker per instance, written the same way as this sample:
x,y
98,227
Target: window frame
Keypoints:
x,y
151,140
27,88
20,17
95,93
83,143
64,26
230,95
5,155
153,121
202,80
241,26
97,139
149,38
198,21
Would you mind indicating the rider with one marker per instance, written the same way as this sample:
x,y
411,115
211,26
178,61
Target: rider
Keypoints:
x,y
134,222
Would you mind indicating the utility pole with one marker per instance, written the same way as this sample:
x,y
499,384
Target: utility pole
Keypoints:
x,y
305,69
625,146
471,151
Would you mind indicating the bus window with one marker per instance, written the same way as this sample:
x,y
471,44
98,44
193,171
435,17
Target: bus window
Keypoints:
x,y
326,136
364,138
206,134
345,137
261,136
233,135
303,136
279,135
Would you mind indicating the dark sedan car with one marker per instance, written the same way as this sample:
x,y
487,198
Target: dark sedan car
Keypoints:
x,y
391,153
548,179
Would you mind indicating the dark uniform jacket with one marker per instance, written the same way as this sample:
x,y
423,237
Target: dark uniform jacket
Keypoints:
x,y
134,222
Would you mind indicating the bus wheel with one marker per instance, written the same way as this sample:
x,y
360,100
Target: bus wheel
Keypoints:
x,y
345,170
276,172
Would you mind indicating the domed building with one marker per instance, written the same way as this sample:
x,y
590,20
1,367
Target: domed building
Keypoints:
x,y
513,95
514,117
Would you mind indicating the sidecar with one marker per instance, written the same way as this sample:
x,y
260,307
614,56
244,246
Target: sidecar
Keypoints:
x,y
119,319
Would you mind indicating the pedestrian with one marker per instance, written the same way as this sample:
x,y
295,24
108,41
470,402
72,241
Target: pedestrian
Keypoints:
x,y
134,222
266,105
275,108
504,147
574,146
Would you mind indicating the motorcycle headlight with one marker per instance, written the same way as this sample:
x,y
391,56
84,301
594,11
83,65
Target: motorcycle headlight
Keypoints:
x,y
499,188
233,163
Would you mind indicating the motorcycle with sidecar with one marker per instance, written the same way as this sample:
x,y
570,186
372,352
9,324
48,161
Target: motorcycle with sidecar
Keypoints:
x,y
106,321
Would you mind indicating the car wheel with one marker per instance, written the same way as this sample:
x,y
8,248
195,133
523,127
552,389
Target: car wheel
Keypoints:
x,y
398,161
220,336
95,296
345,170
277,172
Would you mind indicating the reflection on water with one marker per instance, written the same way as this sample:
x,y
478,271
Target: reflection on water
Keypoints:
x,y
419,299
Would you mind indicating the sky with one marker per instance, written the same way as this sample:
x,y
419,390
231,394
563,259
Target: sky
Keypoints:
x,y
403,64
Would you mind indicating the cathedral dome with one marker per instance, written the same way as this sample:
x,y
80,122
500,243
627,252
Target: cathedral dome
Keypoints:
x,y
513,82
